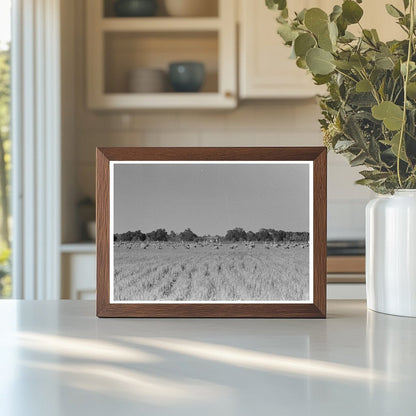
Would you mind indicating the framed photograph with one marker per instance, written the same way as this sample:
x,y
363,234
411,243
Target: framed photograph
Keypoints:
x,y
211,232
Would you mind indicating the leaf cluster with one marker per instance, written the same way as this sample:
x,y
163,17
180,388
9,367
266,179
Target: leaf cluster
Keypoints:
x,y
366,115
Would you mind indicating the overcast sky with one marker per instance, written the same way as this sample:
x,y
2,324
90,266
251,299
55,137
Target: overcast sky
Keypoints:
x,y
211,198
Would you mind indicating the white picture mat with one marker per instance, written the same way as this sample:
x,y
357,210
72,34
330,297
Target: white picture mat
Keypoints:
x,y
177,162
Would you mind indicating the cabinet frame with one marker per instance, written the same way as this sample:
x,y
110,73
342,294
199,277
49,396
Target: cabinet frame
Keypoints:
x,y
224,26
252,83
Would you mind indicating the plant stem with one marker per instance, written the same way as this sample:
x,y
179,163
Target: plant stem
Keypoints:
x,y
391,98
405,81
373,88
346,75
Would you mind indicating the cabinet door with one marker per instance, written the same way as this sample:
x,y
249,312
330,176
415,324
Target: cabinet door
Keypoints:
x,y
265,68
78,276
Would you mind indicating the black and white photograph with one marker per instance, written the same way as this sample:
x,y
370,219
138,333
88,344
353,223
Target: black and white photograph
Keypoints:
x,y
211,232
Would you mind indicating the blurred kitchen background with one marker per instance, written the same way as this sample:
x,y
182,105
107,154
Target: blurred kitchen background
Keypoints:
x,y
126,81
252,95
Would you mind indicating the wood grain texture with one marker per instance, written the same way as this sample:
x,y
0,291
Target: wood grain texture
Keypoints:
x,y
346,264
103,230
345,278
317,309
319,230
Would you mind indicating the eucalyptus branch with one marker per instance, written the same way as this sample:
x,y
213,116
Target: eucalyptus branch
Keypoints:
x,y
406,80
404,28
346,75
373,88
369,40
377,108
392,91
398,95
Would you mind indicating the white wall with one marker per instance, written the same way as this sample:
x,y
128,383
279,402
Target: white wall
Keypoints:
x,y
257,123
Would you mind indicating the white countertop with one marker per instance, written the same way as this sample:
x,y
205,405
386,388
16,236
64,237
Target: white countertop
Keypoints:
x,y
57,358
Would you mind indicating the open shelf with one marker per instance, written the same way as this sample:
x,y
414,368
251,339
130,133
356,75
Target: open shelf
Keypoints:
x,y
127,51
160,24
167,100
210,7
119,45
81,247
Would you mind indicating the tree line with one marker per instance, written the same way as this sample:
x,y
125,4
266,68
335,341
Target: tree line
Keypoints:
x,y
234,235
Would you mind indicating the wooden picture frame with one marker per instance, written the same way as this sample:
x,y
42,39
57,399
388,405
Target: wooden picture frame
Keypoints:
x,y
313,306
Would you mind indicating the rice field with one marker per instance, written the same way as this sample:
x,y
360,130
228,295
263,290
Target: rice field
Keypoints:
x,y
195,272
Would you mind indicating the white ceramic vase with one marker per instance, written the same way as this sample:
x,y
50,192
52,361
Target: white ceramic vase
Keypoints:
x,y
391,253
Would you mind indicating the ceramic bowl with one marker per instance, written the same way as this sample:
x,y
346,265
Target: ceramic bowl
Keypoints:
x,y
186,76
147,80
135,8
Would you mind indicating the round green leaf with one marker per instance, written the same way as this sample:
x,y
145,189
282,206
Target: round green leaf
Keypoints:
x,y
363,86
391,114
393,11
324,41
342,25
319,61
411,90
287,33
276,4
301,63
351,11
322,79
358,61
344,65
316,20
333,32
336,12
394,144
384,62
303,43
301,15
328,38
347,37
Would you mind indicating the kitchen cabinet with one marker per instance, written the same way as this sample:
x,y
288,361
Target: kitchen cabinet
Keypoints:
x,y
346,277
265,70
118,45
78,263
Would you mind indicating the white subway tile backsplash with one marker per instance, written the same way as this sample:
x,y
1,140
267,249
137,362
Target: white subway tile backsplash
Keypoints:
x,y
346,219
306,114
341,180
335,159
278,117
232,138
202,120
96,120
88,140
147,120
341,184
298,138
174,138
266,123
